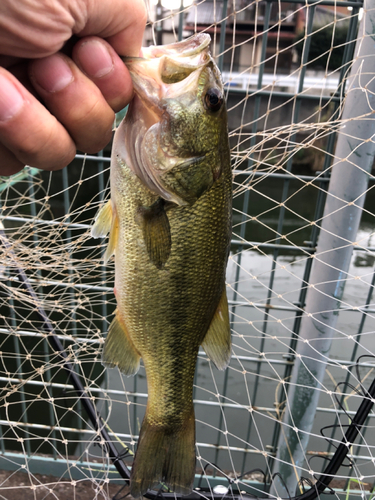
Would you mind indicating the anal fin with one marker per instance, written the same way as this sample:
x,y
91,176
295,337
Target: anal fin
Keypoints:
x,y
119,349
217,342
156,231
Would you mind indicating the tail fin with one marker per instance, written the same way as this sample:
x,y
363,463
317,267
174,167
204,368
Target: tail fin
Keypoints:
x,y
164,455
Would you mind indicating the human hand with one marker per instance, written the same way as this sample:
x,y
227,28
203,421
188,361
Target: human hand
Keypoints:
x,y
52,103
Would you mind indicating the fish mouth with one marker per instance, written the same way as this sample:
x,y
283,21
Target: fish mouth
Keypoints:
x,y
160,66
189,47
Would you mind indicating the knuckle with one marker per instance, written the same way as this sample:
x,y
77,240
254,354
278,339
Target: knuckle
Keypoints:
x,y
95,142
92,130
9,164
33,144
46,149
60,161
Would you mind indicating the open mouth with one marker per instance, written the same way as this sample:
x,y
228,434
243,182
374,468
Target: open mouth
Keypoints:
x,y
162,66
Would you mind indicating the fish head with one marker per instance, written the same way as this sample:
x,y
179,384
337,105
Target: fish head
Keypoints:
x,y
177,126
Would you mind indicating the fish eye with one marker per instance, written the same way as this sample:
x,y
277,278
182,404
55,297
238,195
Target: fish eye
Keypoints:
x,y
213,99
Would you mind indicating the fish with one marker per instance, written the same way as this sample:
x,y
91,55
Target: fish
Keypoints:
x,y
169,225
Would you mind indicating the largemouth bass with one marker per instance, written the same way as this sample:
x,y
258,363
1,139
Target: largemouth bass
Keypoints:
x,y
169,219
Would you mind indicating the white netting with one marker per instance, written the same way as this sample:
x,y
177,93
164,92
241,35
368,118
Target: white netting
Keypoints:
x,y
285,65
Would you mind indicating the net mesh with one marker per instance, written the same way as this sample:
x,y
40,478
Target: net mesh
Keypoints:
x,y
285,66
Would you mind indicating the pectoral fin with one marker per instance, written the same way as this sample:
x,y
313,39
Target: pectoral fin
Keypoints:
x,y
103,221
112,242
156,231
217,342
106,221
119,349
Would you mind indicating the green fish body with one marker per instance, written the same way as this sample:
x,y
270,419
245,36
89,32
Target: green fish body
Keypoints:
x,y
170,225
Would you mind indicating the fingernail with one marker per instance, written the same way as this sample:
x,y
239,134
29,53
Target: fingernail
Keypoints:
x,y
95,59
11,100
52,73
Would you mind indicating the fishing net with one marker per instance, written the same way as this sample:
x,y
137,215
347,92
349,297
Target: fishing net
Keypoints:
x,y
299,281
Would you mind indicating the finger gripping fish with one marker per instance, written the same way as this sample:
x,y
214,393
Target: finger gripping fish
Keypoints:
x,y
169,220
